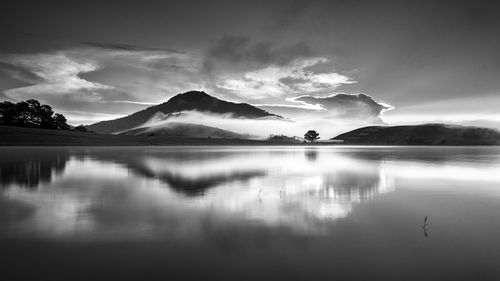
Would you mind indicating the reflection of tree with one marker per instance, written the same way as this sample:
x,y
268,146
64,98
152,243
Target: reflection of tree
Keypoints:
x,y
30,167
311,154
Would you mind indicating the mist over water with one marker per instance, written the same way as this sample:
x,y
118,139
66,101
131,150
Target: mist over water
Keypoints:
x,y
306,213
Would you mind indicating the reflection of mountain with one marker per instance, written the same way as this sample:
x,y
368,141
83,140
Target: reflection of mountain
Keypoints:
x,y
138,192
197,186
180,171
115,190
30,167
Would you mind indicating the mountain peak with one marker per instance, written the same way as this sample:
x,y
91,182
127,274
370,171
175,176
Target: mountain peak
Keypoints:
x,y
192,95
188,101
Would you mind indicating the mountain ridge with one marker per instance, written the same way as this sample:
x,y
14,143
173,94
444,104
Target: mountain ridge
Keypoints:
x,y
191,100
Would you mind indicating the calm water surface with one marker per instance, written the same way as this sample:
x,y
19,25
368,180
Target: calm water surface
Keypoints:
x,y
250,213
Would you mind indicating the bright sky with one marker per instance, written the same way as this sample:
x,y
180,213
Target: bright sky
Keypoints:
x,y
412,61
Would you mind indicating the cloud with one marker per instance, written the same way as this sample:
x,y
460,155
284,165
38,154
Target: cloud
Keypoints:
x,y
293,78
121,79
57,73
346,105
128,47
296,125
236,49
18,73
332,114
115,79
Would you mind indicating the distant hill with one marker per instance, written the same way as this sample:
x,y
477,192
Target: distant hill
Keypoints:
x,y
193,100
183,130
427,134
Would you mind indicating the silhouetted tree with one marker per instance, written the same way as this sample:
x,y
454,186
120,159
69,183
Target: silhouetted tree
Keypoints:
x,y
8,113
32,114
60,122
80,128
284,139
311,136
46,119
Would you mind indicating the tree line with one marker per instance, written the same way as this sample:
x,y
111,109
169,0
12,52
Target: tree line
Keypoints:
x,y
31,114
311,136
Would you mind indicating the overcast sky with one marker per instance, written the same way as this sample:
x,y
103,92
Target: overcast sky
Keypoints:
x,y
412,61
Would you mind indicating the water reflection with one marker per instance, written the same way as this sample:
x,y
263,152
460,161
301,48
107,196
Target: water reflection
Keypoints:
x,y
152,192
311,154
29,168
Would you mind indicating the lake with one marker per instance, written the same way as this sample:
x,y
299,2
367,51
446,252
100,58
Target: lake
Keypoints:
x,y
250,213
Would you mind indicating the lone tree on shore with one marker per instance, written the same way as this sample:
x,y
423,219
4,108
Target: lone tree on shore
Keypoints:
x,y
311,136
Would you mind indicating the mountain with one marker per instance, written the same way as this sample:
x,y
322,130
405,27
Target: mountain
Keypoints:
x,y
183,130
193,100
426,134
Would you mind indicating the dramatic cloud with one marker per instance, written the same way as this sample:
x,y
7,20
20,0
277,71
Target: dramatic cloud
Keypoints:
x,y
58,74
104,80
293,78
118,79
420,53
348,106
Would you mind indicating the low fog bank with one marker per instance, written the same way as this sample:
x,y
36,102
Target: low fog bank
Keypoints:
x,y
263,127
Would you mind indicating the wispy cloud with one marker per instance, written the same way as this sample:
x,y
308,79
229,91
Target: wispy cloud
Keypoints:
x,y
275,80
58,73
123,78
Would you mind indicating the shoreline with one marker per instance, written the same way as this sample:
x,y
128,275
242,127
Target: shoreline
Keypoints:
x,y
19,136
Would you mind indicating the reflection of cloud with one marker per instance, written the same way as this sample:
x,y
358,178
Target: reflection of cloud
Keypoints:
x,y
99,195
127,193
105,192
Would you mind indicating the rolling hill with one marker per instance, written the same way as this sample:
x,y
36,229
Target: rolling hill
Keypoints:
x,y
426,134
183,130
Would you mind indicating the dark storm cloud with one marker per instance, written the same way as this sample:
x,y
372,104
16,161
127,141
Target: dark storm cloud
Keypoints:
x,y
236,49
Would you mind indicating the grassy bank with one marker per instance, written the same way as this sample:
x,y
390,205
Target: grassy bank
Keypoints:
x,y
17,136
